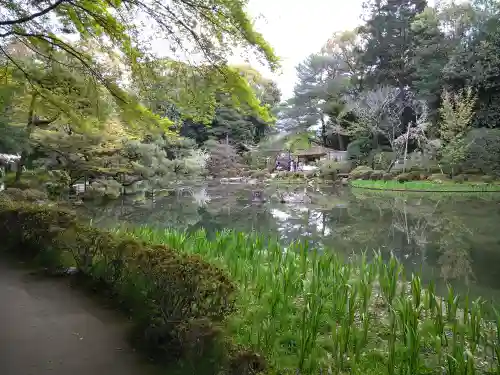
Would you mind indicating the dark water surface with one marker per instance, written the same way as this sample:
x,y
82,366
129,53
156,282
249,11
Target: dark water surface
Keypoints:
x,y
448,238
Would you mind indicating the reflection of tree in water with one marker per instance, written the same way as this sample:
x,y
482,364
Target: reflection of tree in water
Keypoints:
x,y
454,241
443,231
173,211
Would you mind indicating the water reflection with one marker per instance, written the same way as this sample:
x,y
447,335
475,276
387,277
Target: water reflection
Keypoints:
x,y
447,240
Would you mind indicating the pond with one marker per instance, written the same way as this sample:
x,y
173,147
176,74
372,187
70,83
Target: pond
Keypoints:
x,y
447,238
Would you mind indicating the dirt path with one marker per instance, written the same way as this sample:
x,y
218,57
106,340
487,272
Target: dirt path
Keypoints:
x,y
46,327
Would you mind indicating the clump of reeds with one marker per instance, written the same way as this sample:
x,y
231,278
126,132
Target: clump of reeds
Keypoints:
x,y
311,311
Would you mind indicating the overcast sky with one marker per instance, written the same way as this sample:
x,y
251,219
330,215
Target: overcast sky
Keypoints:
x,y
298,28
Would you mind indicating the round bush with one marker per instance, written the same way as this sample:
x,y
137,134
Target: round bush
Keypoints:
x,y
376,175
26,195
387,176
361,172
403,177
487,179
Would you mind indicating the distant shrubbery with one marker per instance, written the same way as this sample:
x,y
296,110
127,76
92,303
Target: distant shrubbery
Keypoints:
x,y
329,169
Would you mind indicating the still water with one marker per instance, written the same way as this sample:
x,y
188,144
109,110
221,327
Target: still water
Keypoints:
x,y
448,239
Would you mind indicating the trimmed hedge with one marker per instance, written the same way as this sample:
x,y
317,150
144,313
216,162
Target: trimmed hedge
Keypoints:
x,y
176,301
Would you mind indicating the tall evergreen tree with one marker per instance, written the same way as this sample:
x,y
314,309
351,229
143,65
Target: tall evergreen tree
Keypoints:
x,y
390,41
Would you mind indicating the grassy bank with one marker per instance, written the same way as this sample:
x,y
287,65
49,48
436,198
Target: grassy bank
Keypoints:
x,y
315,312
238,304
425,186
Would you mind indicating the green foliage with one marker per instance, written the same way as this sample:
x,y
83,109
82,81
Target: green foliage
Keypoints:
x,y
176,300
384,159
329,169
390,40
456,114
359,150
483,152
487,179
223,160
93,20
358,309
361,172
194,95
405,183
377,175
28,195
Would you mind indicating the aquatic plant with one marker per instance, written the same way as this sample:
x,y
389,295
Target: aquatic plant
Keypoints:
x,y
312,311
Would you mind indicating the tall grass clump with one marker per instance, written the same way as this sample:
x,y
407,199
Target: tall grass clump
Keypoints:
x,y
311,312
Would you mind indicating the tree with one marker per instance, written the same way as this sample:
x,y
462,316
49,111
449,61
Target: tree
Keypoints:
x,y
390,115
317,93
117,25
431,54
476,64
456,113
224,160
345,48
389,41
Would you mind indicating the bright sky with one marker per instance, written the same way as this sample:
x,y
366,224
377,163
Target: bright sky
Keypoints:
x,y
298,28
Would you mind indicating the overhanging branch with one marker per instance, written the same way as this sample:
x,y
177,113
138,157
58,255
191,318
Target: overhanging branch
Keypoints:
x,y
32,16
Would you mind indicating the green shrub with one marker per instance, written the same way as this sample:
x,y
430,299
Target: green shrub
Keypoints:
x,y
358,150
387,176
483,152
382,160
438,177
472,171
361,172
329,169
376,175
259,174
366,175
176,300
487,179
28,195
403,177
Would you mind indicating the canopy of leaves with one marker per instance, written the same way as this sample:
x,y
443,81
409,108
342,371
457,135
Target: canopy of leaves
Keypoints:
x,y
206,28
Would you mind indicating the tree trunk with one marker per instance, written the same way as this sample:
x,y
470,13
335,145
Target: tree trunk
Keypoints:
x,y
406,148
341,142
323,131
29,129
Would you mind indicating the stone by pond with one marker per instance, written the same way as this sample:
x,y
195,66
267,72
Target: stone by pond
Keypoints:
x,y
445,239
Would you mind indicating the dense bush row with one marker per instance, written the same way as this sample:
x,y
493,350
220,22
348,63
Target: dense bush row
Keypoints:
x,y
417,174
177,301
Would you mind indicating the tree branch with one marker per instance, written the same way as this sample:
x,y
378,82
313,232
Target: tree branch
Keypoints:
x,y
32,16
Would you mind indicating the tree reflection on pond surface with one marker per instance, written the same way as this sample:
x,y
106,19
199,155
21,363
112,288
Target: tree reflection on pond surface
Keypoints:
x,y
448,239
